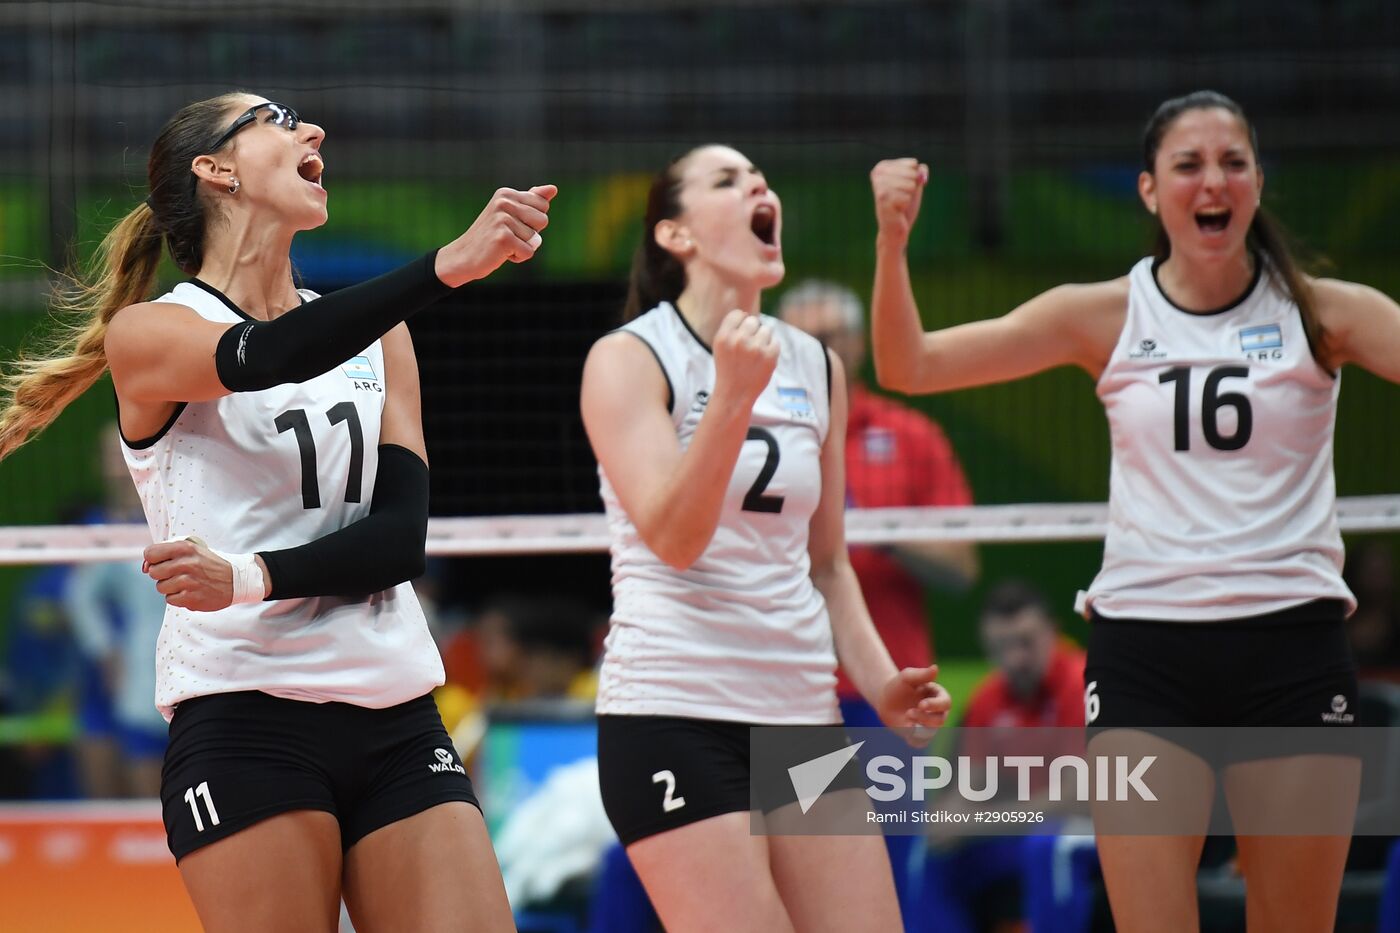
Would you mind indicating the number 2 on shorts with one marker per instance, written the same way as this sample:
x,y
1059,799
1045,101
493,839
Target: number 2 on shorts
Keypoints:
x,y
671,801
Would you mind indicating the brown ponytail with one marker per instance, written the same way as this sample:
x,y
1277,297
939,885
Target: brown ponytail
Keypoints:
x,y
1271,238
657,275
122,272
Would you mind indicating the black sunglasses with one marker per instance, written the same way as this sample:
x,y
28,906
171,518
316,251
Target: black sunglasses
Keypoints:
x,y
282,116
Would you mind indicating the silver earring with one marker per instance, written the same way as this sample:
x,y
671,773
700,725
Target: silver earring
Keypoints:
x,y
233,186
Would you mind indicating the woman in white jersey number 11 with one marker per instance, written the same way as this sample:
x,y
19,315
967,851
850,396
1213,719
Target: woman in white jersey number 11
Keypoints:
x,y
276,441
1220,601
719,436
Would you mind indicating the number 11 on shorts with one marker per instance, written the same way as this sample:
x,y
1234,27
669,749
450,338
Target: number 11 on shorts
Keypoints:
x,y
671,801
203,791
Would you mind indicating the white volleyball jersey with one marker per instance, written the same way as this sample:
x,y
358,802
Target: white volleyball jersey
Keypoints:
x,y
260,471
1222,502
742,634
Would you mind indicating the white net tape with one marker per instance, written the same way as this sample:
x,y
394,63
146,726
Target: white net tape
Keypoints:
x,y
559,534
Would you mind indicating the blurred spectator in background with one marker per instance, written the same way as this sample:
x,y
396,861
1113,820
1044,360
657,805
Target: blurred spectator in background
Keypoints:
x,y
116,615
515,648
1374,628
1037,683
41,689
535,647
1039,675
895,456
457,697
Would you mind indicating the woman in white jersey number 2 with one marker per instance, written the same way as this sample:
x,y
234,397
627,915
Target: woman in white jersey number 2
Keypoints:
x,y
1220,601
282,430
719,439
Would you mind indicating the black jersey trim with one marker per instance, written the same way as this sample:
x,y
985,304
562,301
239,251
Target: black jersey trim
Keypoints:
x,y
826,358
677,312
670,391
151,441
301,299
222,297
1259,264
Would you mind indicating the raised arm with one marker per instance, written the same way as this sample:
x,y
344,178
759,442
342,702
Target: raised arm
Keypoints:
x,y
379,551
1362,326
1071,324
673,497
908,697
160,352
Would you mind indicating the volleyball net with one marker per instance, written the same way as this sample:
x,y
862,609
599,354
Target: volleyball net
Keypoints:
x,y
524,535
1029,114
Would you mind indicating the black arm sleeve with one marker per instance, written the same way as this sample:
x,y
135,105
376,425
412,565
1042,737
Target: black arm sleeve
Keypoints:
x,y
309,340
381,550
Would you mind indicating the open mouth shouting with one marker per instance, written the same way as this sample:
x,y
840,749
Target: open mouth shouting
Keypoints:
x,y
1213,219
764,224
311,167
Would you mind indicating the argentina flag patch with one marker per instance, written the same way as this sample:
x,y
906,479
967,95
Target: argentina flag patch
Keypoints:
x,y
794,400
359,367
1265,337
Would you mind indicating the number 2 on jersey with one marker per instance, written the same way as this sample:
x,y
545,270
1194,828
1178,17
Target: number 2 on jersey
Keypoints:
x,y
754,499
295,420
1212,400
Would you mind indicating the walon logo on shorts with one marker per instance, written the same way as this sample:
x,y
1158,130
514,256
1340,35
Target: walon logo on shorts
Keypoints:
x,y
1339,712
445,762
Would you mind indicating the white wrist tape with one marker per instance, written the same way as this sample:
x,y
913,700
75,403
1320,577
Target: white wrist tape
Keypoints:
x,y
249,585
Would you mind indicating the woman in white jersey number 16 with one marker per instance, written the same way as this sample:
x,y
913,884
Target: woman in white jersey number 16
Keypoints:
x,y
1220,601
719,437
307,761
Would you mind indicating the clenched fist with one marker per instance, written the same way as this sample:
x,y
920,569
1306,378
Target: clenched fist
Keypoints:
x,y
190,575
746,353
508,229
899,190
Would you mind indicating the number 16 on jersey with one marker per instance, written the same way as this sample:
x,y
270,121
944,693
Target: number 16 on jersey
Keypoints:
x,y
1212,401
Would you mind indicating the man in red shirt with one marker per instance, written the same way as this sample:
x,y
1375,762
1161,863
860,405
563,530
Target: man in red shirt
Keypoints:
x,y
895,457
1039,676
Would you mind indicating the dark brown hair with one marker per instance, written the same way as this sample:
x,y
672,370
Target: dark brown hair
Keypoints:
x,y
121,272
657,275
1266,235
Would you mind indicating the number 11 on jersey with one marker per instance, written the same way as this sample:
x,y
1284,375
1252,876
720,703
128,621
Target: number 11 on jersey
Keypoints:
x,y
295,420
